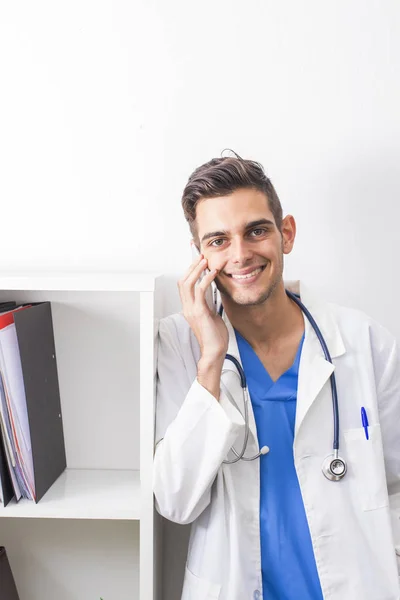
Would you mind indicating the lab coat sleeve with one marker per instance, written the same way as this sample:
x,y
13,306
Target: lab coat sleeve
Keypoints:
x,y
387,361
193,431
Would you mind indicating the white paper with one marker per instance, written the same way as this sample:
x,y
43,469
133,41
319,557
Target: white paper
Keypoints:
x,y
9,447
12,370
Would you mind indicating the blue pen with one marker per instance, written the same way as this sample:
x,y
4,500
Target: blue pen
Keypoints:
x,y
364,420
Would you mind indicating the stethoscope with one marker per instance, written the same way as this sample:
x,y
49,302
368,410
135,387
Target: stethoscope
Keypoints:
x,y
333,467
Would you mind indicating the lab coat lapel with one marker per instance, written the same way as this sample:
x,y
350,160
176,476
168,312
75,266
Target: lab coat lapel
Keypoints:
x,y
314,372
232,380
314,369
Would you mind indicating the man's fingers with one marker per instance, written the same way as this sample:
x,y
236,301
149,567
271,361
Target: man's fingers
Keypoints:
x,y
201,289
193,266
191,277
188,283
207,279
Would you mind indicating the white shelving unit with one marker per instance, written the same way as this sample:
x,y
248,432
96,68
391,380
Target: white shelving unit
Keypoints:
x,y
94,534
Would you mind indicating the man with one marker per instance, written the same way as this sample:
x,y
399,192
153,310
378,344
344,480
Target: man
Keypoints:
x,y
274,527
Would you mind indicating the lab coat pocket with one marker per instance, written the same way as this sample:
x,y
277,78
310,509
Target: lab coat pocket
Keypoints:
x,y
365,463
197,588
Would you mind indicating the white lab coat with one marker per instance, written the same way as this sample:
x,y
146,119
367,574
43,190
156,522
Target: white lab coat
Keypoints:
x,y
355,542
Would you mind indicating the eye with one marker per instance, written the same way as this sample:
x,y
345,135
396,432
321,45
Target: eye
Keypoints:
x,y
258,232
217,243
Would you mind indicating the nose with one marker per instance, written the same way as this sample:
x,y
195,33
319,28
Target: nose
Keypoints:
x,y
241,251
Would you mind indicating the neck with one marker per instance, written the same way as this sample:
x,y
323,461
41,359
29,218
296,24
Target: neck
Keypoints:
x,y
264,324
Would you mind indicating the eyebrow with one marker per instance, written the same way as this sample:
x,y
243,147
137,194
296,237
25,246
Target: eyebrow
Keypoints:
x,y
249,225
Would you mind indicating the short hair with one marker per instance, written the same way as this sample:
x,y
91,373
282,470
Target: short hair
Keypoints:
x,y
223,176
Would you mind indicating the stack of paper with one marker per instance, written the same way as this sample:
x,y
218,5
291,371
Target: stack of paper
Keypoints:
x,y
13,411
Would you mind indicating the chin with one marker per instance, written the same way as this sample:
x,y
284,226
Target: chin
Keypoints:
x,y
256,294
249,298
253,297
249,301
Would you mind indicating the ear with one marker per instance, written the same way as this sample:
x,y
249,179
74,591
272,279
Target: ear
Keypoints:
x,y
288,231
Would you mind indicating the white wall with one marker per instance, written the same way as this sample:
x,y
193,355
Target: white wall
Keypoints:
x,y
106,106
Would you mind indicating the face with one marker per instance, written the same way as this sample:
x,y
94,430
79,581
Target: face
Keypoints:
x,y
239,237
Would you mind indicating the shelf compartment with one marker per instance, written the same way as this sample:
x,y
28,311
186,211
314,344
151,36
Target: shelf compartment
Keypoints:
x,y
76,281
85,494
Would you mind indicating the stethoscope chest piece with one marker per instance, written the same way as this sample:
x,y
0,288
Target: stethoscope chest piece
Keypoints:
x,y
334,468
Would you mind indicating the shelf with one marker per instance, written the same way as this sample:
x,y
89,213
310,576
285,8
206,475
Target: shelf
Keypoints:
x,y
84,494
79,281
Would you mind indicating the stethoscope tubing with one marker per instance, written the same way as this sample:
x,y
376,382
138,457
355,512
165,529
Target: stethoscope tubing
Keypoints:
x,y
243,384
335,403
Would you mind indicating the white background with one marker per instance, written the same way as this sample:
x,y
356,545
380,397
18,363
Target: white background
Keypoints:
x,y
107,106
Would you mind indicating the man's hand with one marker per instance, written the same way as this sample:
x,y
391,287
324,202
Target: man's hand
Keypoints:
x,y
208,327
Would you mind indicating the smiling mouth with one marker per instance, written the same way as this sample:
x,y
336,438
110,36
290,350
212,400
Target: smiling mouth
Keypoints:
x,y
248,275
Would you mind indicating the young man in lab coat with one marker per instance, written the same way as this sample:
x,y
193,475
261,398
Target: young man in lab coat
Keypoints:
x,y
274,527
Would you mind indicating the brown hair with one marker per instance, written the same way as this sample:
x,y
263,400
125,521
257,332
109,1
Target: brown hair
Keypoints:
x,y
223,176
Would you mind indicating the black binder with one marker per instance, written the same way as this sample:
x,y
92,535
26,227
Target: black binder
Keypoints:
x,y
5,479
34,329
8,590
7,306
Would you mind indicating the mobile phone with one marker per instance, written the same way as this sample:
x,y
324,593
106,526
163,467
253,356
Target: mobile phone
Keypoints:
x,y
211,291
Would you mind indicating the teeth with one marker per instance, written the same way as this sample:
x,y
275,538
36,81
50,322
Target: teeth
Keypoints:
x,y
256,272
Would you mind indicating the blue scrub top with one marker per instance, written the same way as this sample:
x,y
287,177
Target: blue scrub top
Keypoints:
x,y
288,564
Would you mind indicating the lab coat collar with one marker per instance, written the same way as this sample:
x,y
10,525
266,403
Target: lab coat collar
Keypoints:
x,y
322,314
314,370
